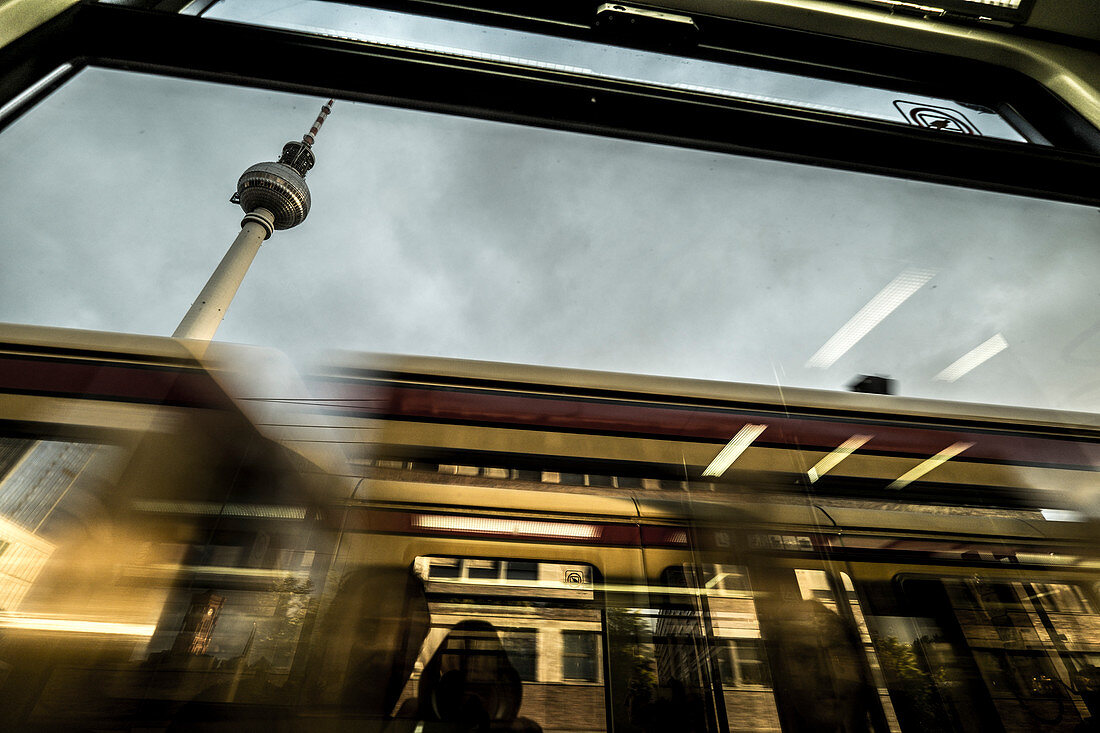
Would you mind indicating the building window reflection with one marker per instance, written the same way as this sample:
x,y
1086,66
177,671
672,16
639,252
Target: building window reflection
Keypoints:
x,y
579,656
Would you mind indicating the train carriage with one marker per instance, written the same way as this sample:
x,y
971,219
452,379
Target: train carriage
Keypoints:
x,y
197,536
229,578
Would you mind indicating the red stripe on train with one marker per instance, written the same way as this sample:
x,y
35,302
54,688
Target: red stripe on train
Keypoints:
x,y
109,382
565,413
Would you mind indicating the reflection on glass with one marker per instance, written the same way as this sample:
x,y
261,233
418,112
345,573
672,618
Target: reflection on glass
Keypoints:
x,y
593,59
981,650
579,656
470,251
514,661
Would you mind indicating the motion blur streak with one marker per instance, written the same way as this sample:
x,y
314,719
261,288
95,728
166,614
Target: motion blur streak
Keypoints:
x,y
41,623
507,526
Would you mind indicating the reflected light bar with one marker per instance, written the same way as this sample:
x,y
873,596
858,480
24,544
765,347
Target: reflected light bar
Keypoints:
x,y
213,508
869,316
733,449
842,451
973,358
34,89
943,456
1062,515
507,526
42,623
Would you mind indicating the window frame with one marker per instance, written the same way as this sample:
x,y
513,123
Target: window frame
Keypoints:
x,y
179,45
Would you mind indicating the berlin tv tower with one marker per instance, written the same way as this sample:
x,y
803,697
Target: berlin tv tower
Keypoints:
x,y
273,196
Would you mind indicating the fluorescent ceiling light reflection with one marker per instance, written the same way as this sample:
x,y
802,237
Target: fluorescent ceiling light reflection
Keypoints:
x,y
869,316
733,449
1014,4
973,358
34,89
943,456
1062,515
507,526
213,508
842,451
43,623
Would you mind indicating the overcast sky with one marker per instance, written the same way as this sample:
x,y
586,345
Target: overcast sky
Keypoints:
x,y
458,237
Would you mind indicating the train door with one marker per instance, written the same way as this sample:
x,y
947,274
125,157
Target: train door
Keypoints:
x,y
761,632
512,643
987,651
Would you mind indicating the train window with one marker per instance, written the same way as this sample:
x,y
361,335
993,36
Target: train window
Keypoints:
x,y
444,567
571,479
1062,598
707,637
521,570
483,569
984,653
521,638
504,577
788,635
761,202
522,648
741,662
626,64
725,578
579,656
44,494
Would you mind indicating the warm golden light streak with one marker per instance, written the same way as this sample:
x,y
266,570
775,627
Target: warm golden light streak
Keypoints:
x,y
942,457
842,451
74,626
161,569
508,526
733,450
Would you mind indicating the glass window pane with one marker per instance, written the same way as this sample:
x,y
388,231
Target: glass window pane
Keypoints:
x,y
791,248
751,666
519,570
579,656
445,568
521,648
579,57
483,569
524,646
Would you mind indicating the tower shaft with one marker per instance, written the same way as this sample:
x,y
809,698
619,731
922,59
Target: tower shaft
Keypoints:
x,y
208,310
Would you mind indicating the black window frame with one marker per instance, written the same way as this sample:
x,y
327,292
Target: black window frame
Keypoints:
x,y
156,41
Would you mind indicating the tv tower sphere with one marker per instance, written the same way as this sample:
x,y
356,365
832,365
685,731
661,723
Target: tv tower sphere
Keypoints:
x,y
273,196
280,186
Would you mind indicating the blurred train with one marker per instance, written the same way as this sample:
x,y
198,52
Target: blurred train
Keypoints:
x,y
194,538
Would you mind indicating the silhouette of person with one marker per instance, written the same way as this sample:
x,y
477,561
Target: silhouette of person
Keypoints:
x,y
819,677
469,684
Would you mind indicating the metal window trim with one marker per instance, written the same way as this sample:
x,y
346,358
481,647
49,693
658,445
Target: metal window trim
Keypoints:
x,y
142,40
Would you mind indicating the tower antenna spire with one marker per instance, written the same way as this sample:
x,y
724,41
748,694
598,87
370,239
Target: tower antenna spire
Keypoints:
x,y
273,196
310,136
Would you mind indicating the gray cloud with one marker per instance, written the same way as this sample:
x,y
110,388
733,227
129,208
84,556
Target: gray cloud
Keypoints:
x,y
460,237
